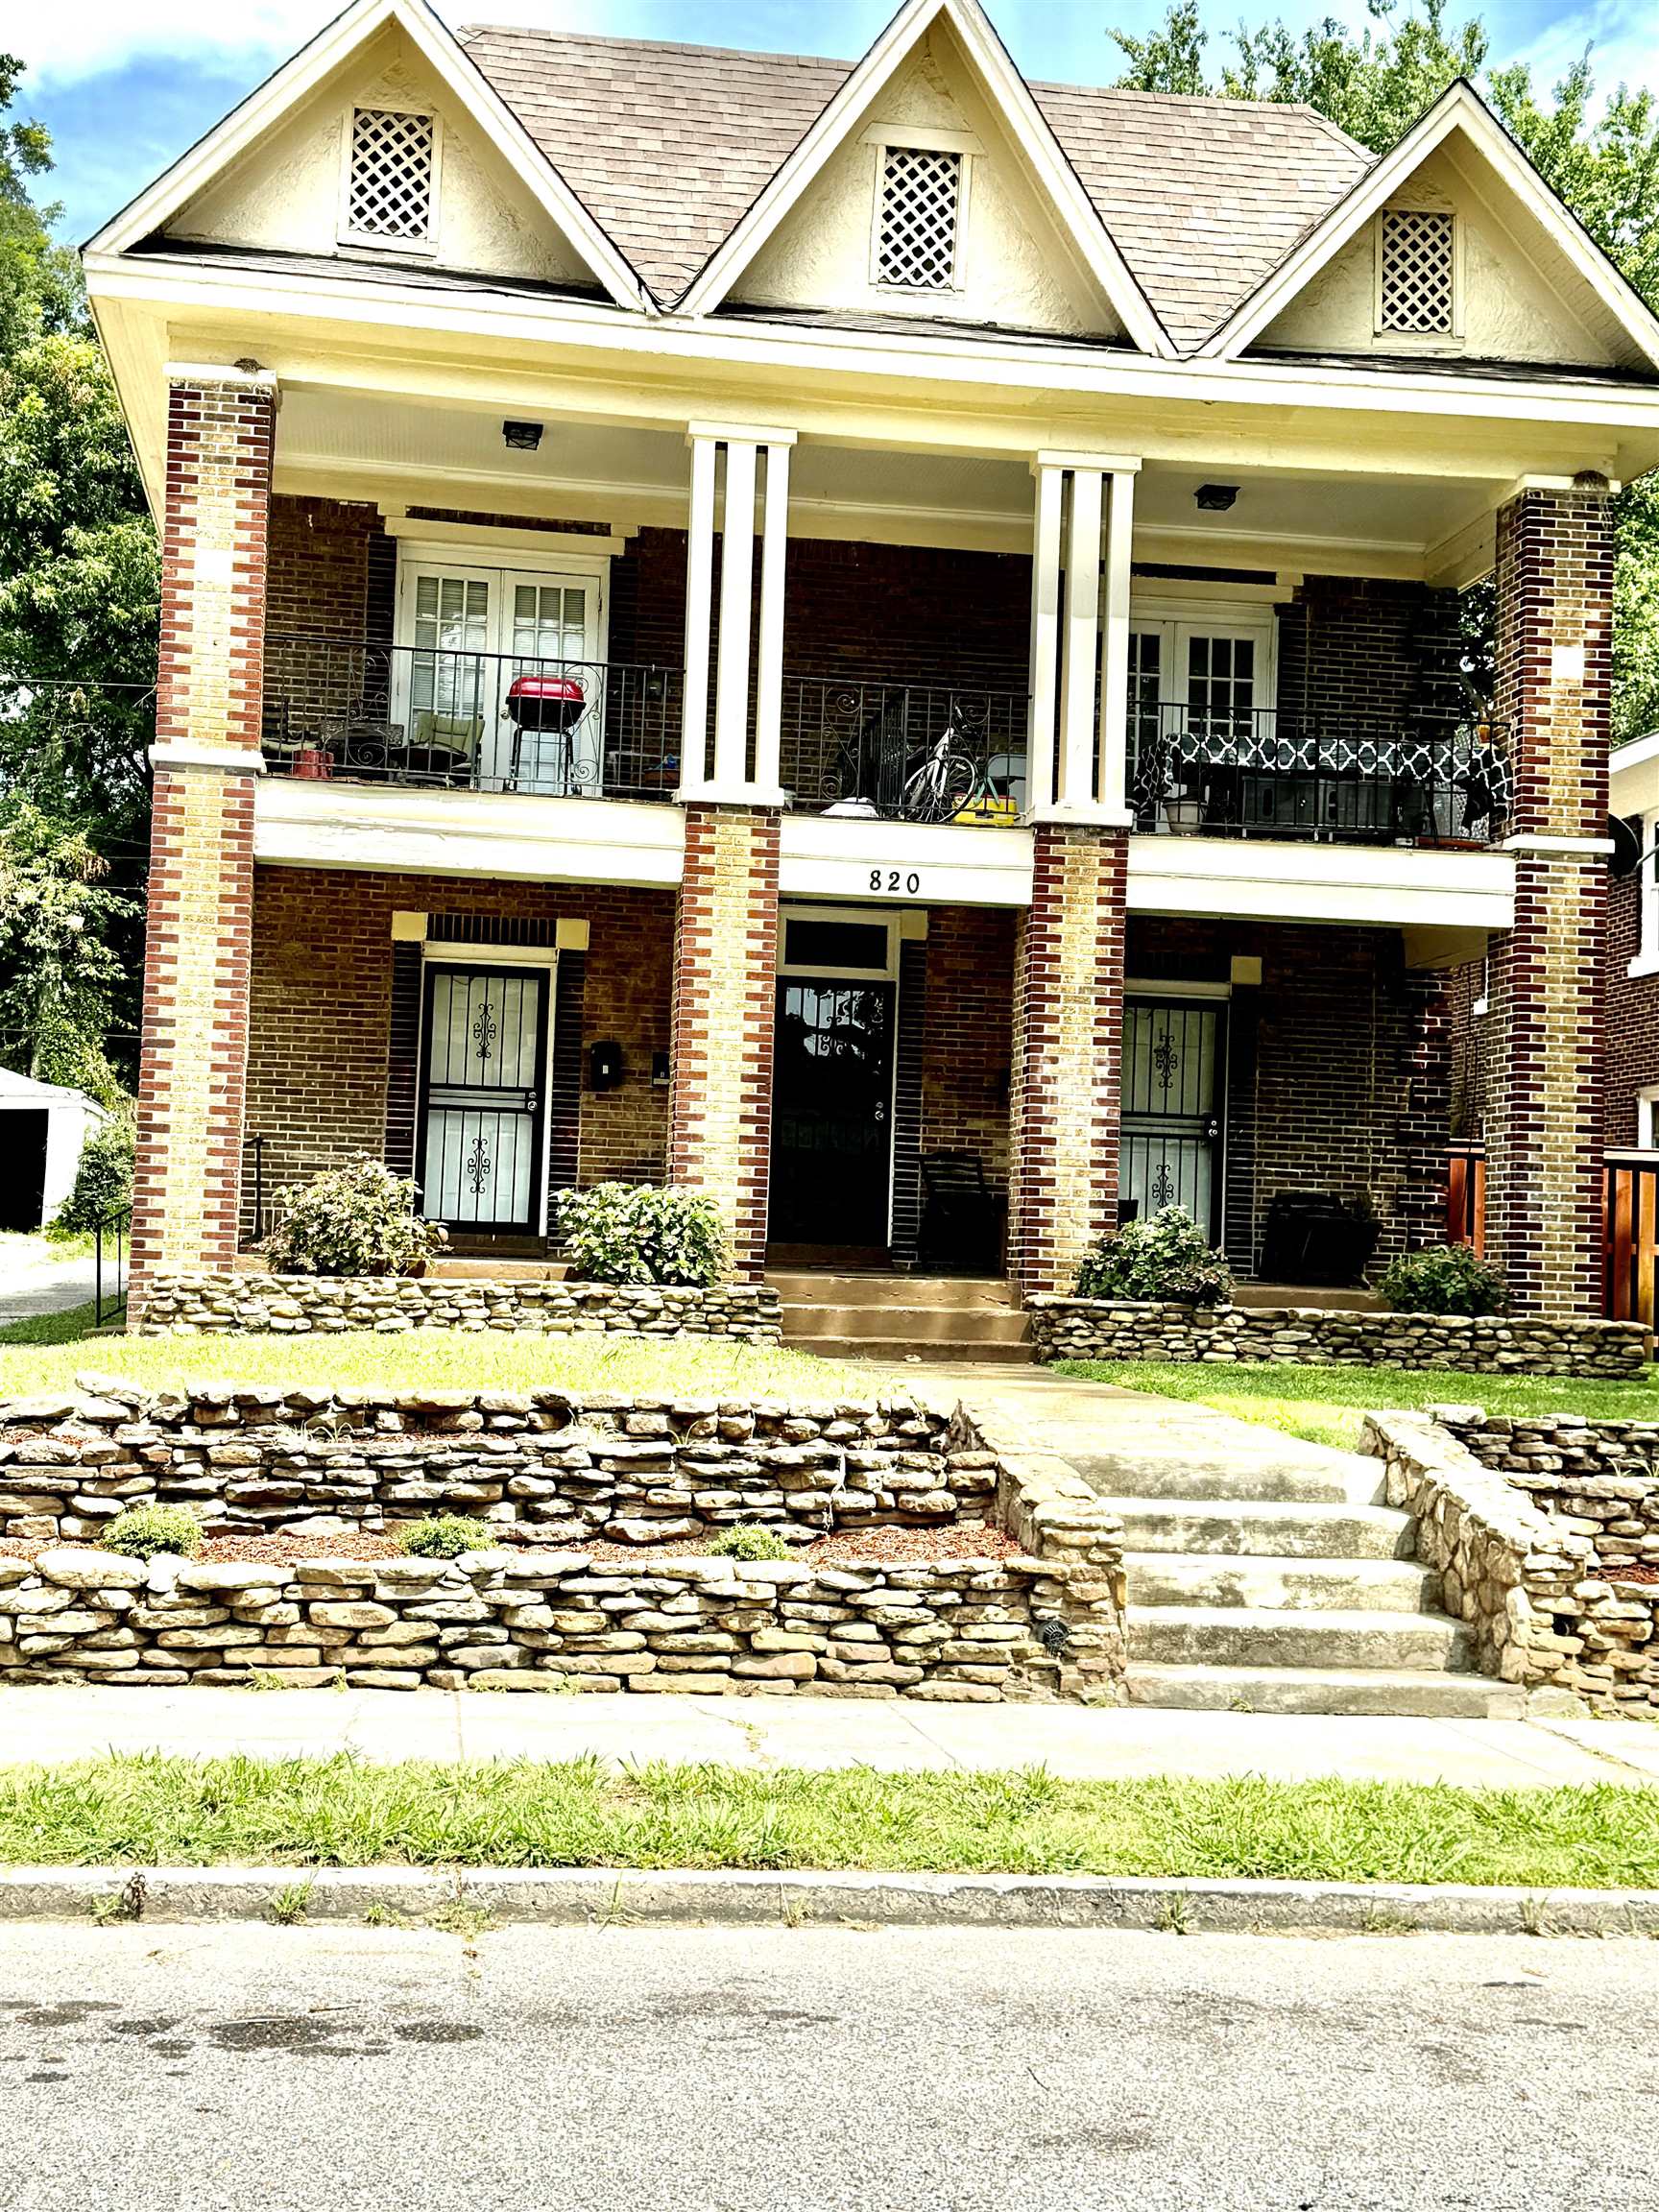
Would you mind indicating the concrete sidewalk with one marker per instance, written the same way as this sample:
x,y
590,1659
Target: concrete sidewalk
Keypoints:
x,y
51,1725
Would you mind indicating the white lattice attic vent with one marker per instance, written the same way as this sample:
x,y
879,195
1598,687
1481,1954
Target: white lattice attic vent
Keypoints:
x,y
920,202
1416,282
391,182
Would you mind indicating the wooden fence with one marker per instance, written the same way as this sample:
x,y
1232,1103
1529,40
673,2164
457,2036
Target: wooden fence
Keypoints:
x,y
1630,1216
1466,1195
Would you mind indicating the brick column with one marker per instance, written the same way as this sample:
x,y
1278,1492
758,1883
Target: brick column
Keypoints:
x,y
187,1177
1067,1053
725,971
1555,581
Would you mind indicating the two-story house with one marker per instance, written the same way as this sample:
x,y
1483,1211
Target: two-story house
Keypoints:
x,y
769,622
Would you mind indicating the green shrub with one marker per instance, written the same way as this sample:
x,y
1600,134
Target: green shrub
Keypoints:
x,y
143,1530
103,1180
637,1233
747,1541
1445,1279
444,1536
1163,1258
359,1220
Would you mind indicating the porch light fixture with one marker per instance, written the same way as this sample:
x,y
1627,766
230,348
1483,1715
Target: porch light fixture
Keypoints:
x,y
1214,498
521,437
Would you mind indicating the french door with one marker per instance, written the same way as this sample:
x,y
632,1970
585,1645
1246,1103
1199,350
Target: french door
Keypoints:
x,y
467,632
1174,1080
483,1097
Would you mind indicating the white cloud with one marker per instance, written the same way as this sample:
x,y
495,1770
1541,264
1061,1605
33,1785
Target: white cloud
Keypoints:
x,y
80,38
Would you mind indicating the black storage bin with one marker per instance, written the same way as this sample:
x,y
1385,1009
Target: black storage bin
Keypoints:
x,y
1311,1237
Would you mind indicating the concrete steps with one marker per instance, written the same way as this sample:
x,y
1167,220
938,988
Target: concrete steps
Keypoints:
x,y
1329,1689
899,1317
1265,1574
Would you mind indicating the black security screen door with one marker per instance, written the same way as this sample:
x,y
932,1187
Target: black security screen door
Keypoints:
x,y
1174,1077
831,1112
482,1096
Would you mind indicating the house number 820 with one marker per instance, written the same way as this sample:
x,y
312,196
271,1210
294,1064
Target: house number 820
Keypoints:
x,y
894,879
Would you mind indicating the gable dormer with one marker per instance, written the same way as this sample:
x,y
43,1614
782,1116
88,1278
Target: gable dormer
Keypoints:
x,y
926,210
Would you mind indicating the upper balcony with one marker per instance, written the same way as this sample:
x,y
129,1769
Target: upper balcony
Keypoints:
x,y
540,725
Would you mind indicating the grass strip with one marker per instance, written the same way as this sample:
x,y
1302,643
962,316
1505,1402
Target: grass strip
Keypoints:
x,y
150,1810
1328,1405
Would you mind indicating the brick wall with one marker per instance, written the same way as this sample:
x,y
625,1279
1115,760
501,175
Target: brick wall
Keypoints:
x,y
724,967
186,1179
1357,653
1068,1033
1544,1106
1632,1052
321,1008
967,1051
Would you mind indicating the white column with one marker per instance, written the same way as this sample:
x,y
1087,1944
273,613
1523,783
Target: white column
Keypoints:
x,y
769,649
699,575
1044,636
1080,643
1111,788
725,474
1076,765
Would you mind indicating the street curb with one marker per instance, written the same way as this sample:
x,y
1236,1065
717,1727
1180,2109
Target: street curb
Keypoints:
x,y
611,1897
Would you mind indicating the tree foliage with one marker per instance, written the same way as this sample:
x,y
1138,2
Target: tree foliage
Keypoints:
x,y
1603,160
79,606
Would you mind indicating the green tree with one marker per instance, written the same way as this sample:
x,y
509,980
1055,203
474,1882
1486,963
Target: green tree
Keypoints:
x,y
79,606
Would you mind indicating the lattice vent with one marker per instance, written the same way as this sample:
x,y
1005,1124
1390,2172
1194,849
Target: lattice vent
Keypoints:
x,y
920,194
391,190
1417,272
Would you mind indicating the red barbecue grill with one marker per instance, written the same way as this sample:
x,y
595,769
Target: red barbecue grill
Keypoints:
x,y
544,705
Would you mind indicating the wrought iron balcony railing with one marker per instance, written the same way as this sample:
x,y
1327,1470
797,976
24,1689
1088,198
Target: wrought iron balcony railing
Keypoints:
x,y
458,720
905,751
1240,772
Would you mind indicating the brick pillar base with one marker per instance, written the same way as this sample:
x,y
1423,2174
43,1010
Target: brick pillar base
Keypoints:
x,y
187,1175
724,983
1067,1053
1555,584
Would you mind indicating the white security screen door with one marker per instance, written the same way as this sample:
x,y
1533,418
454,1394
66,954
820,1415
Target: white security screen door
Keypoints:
x,y
1173,1062
467,632
483,1097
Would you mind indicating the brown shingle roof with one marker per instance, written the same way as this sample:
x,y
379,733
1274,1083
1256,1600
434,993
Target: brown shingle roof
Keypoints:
x,y
667,145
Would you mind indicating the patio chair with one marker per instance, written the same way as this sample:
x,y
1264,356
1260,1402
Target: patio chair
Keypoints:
x,y
962,1217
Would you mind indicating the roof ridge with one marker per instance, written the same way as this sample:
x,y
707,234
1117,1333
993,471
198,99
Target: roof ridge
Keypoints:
x,y
542,30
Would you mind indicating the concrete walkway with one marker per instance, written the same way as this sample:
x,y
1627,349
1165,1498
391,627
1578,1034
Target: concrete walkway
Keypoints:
x,y
36,1278
48,1725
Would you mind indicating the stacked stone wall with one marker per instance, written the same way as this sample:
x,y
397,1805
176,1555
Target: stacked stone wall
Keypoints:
x,y
222,1303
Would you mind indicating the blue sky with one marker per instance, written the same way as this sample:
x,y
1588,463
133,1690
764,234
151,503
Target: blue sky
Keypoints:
x,y
125,88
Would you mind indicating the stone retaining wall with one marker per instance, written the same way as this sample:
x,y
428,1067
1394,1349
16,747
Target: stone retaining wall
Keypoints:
x,y
1045,1624
1313,1337
1531,1564
540,1466
307,1305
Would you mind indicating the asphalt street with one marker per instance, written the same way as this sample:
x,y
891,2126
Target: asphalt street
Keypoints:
x,y
613,2069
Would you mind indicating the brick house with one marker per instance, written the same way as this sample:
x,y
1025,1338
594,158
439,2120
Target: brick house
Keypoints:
x,y
781,623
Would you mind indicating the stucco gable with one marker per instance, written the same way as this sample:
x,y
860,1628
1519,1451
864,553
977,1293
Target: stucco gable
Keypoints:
x,y
1014,266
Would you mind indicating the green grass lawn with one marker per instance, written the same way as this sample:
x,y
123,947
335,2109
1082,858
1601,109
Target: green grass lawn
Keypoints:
x,y
155,1810
1328,1403
49,1353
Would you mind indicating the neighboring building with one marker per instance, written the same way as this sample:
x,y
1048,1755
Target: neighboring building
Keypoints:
x,y
42,1129
986,555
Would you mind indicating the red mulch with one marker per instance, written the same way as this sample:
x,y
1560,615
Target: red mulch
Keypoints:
x,y
1631,1574
867,1546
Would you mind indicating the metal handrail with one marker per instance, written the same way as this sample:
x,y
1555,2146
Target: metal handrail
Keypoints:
x,y
112,1239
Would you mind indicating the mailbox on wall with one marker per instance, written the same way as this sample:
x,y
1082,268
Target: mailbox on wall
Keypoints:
x,y
604,1065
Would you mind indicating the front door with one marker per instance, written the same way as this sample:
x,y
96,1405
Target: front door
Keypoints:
x,y
831,1112
1174,1058
482,1095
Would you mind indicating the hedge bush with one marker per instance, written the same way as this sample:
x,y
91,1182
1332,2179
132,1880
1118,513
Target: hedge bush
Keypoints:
x,y
1163,1258
749,1541
358,1219
444,1536
1445,1279
143,1530
103,1180
638,1233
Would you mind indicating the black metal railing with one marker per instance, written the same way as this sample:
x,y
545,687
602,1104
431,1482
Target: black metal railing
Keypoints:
x,y
1255,772
906,752
111,1239
460,720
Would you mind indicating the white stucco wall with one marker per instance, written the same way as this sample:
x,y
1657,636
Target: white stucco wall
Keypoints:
x,y
1510,310
285,194
70,1119
1012,265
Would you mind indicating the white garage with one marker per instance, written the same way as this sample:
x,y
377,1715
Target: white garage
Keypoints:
x,y
42,1128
